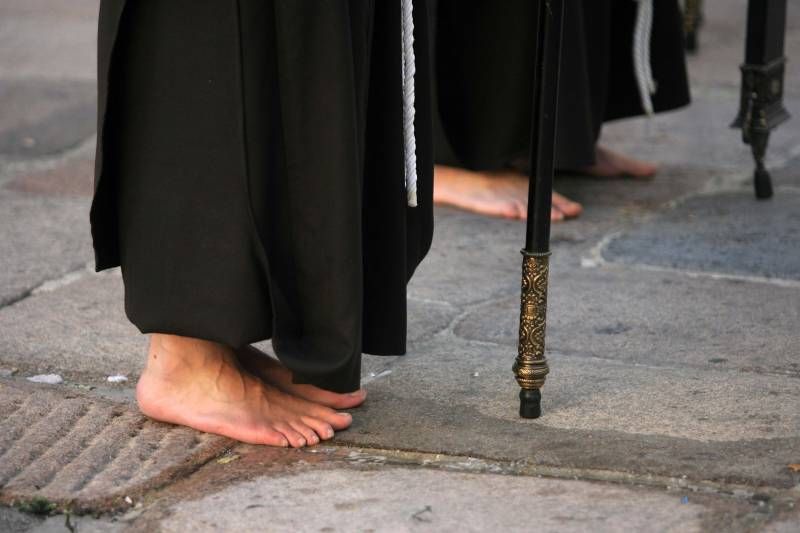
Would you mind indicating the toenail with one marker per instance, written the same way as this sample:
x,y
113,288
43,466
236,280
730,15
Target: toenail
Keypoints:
x,y
359,392
346,415
302,442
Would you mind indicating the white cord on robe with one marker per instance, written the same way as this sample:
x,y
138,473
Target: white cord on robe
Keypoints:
x,y
641,54
409,111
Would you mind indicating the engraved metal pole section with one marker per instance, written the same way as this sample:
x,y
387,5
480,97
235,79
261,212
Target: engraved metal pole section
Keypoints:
x,y
530,367
761,108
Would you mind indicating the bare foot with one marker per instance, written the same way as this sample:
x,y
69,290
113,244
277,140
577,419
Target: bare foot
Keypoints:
x,y
610,164
502,193
197,383
273,372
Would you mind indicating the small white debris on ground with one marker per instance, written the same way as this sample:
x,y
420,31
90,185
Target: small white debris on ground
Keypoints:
x,y
119,378
373,376
51,379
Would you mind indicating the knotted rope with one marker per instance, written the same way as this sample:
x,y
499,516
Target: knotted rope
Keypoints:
x,y
409,111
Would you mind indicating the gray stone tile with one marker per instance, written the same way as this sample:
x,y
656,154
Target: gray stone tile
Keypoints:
x,y
13,521
460,397
422,500
470,258
426,319
45,117
735,235
44,238
656,319
788,525
71,178
47,39
787,176
79,331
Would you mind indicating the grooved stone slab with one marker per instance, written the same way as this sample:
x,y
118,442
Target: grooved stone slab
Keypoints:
x,y
738,235
85,452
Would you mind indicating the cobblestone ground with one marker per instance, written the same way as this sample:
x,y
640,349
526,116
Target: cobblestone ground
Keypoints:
x,y
674,343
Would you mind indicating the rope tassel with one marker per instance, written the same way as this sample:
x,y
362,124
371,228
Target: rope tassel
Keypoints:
x,y
409,111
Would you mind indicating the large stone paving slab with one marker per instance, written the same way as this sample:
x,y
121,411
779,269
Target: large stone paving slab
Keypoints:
x,y
401,499
70,178
787,176
460,397
656,319
81,452
43,238
78,331
738,235
352,488
45,117
47,39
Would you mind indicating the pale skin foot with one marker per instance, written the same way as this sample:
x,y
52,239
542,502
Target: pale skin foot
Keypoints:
x,y
200,384
273,372
502,193
610,164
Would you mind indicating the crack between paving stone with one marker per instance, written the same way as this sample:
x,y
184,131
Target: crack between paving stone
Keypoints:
x,y
579,355
486,465
466,310
695,274
51,284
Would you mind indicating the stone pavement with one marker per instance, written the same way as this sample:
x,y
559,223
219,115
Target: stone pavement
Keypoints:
x,y
673,338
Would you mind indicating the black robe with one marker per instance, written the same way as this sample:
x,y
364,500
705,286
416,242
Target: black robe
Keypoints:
x,y
250,175
484,64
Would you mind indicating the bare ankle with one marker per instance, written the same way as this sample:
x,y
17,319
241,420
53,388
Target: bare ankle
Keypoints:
x,y
172,355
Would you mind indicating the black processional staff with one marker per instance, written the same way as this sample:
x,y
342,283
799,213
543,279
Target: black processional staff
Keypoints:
x,y
530,367
762,108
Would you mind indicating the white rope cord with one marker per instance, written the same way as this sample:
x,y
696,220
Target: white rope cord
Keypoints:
x,y
409,111
641,54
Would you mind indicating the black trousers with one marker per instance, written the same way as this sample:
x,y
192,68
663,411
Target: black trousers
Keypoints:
x,y
251,183
484,66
